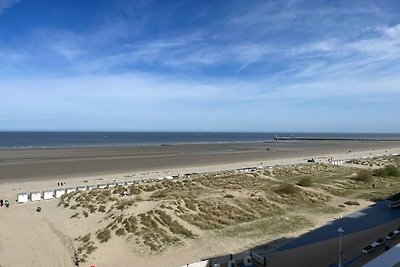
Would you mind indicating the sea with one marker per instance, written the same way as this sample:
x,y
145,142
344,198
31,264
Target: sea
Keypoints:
x,y
24,140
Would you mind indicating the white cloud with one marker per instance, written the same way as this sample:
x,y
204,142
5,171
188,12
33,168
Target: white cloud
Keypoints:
x,y
321,57
392,32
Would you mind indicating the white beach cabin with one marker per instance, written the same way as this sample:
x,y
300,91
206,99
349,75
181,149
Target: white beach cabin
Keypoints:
x,y
101,186
59,192
48,194
82,188
91,187
36,196
70,190
337,162
22,197
111,185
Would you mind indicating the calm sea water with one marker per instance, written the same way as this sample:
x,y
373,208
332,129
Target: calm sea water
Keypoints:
x,y
18,140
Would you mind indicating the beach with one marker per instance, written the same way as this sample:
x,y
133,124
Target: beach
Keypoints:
x,y
51,232
38,169
63,163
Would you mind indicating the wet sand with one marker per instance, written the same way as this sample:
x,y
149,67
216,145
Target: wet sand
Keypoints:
x,y
40,164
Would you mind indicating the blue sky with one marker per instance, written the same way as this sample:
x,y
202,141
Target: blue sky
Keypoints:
x,y
326,66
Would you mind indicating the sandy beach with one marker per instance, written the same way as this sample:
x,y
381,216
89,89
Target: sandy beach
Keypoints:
x,y
38,169
49,241
41,164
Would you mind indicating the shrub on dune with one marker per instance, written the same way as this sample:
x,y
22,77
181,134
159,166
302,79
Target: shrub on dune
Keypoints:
x,y
364,176
305,182
392,170
287,188
387,171
104,235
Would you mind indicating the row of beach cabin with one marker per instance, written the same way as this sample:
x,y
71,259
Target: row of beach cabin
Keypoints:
x,y
58,193
337,162
248,169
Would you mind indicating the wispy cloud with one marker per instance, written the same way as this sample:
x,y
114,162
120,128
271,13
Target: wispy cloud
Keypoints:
x,y
245,60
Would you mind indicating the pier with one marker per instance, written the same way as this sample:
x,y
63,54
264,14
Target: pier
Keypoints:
x,y
305,138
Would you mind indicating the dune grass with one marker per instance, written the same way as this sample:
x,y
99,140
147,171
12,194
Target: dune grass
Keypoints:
x,y
233,204
271,226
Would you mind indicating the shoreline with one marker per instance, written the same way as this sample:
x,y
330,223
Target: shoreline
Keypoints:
x,y
132,145
214,163
73,162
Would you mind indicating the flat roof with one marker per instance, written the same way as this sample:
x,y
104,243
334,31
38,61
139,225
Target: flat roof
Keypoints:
x,y
389,258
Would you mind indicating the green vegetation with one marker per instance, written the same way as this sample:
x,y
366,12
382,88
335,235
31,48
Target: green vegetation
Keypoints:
x,y
103,235
85,238
173,226
305,182
388,171
130,224
352,203
124,203
190,204
154,236
87,247
380,161
75,215
120,231
287,188
364,176
165,213
268,226
217,214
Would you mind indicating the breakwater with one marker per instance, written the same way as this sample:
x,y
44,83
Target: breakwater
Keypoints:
x,y
304,138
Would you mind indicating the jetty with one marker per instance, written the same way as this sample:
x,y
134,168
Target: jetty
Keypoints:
x,y
316,138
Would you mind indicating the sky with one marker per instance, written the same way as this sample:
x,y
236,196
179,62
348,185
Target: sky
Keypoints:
x,y
218,65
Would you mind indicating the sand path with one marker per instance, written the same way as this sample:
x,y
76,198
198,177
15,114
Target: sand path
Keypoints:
x,y
40,243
